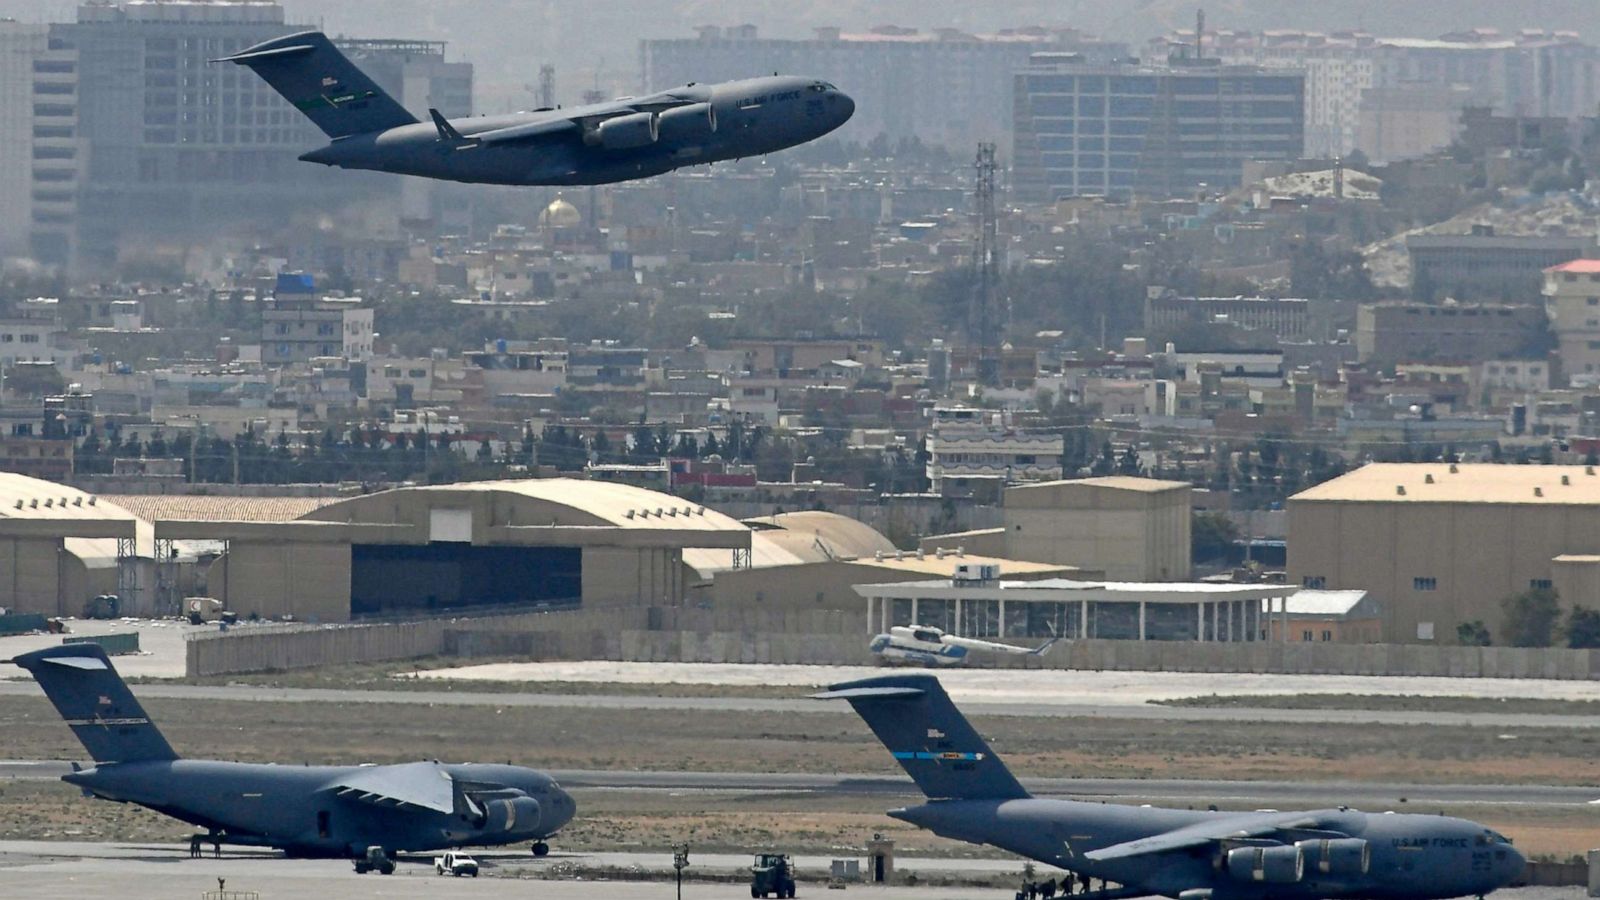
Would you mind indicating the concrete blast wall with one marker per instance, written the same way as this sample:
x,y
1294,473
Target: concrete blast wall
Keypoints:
x,y
658,634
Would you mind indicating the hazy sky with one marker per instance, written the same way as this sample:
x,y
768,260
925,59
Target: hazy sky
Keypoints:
x,y
590,40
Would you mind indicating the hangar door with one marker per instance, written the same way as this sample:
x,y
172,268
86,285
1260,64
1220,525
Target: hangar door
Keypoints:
x,y
402,578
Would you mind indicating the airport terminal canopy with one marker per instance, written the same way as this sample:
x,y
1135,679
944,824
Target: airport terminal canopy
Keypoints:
x,y
415,550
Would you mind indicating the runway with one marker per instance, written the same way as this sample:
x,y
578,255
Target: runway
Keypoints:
x,y
800,705
1227,793
46,870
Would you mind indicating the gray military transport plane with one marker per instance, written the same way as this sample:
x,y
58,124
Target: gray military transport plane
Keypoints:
x,y
362,813
1187,854
631,137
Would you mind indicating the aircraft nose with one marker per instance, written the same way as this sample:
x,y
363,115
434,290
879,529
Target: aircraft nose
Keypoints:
x,y
844,106
1515,864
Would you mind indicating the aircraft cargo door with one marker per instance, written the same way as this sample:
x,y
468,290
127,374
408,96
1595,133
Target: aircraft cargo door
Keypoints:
x,y
396,579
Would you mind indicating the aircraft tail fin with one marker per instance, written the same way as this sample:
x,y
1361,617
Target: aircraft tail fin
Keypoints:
x,y
936,745
87,691
1044,648
321,82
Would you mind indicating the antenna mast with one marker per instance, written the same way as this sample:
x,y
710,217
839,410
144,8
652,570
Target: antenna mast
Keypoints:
x,y
986,267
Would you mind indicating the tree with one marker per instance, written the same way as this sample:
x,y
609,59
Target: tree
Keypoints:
x,y
1530,617
1210,536
1473,634
1582,629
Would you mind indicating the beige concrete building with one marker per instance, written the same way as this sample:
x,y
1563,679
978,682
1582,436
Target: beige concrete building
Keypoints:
x,y
1131,529
1572,303
412,551
1437,544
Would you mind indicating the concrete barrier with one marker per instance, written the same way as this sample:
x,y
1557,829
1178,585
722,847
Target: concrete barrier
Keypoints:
x,y
823,637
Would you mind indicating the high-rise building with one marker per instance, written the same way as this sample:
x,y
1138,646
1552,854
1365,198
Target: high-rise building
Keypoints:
x,y
1116,130
177,146
1363,91
944,87
39,161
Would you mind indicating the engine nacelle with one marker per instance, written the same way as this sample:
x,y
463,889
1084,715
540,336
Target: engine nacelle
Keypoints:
x,y
629,132
1268,865
511,815
1337,856
694,122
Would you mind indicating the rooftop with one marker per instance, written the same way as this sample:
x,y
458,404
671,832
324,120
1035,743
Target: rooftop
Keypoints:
x,y
1578,266
1461,483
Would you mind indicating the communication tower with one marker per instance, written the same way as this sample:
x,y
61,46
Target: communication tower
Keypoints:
x,y
981,329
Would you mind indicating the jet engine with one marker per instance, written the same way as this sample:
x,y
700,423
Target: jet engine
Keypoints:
x,y
512,814
1337,856
1280,864
628,132
694,122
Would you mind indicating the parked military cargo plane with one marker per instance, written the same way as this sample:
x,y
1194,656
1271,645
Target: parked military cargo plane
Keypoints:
x,y
362,813
623,139
1186,854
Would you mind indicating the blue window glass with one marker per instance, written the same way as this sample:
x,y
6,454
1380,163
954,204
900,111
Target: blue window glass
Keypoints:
x,y
1194,86
1132,106
1133,84
1091,106
1091,143
1125,145
1091,126
1054,142
1194,109
1051,106
1050,84
1091,84
1056,160
1124,161
1091,161
1136,127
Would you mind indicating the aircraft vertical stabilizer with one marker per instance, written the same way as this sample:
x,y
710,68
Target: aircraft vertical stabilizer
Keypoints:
x,y
936,745
92,697
321,82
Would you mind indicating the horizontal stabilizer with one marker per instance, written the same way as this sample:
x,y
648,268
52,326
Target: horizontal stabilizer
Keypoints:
x,y
882,693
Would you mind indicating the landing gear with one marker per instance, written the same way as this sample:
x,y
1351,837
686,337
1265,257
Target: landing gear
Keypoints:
x,y
540,848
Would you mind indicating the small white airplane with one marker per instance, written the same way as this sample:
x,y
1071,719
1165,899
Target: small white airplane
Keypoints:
x,y
924,645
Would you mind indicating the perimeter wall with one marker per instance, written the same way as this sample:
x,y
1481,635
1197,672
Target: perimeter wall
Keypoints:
x,y
823,637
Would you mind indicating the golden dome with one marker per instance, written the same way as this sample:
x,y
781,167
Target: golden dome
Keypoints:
x,y
560,214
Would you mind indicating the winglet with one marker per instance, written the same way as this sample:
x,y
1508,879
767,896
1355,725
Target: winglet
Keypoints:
x,y
447,132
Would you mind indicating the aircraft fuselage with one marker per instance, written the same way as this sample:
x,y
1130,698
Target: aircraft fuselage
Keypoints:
x,y
300,810
748,118
1412,857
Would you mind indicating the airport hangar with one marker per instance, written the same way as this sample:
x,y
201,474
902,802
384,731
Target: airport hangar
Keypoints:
x,y
1439,544
416,550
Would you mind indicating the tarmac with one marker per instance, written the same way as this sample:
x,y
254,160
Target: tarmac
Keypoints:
x,y
44,870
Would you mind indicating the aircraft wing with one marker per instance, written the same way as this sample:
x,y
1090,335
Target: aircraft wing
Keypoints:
x,y
1245,825
578,120
420,785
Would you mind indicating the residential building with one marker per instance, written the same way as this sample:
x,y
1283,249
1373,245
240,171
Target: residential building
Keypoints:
x,y
298,326
1488,266
941,86
1439,545
1572,303
1284,317
1405,121
1117,130
1387,333
974,451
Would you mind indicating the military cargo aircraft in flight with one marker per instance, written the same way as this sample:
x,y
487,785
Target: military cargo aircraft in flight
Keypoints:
x,y
623,139
363,813
1186,854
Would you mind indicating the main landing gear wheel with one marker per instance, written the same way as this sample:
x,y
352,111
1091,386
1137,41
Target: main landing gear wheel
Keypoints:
x,y
541,849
